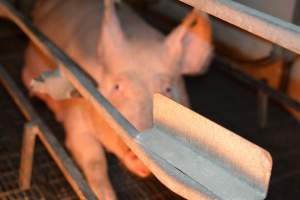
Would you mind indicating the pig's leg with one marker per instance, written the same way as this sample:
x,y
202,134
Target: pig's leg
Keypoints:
x,y
35,64
88,152
128,158
114,144
134,164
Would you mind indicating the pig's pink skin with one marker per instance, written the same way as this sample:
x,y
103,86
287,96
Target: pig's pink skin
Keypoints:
x,y
129,66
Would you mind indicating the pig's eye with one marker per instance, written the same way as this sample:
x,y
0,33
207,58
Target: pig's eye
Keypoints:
x,y
117,87
168,90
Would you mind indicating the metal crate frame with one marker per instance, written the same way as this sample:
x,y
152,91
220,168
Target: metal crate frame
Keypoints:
x,y
270,28
273,29
36,128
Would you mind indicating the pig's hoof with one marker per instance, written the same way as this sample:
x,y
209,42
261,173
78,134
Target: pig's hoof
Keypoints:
x,y
134,165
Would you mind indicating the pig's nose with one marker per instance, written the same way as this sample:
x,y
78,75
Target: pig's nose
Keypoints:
x,y
140,116
141,121
142,125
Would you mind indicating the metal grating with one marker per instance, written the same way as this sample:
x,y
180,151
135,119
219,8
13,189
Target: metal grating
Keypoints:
x,y
49,183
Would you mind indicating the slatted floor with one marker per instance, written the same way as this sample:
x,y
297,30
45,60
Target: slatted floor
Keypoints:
x,y
49,183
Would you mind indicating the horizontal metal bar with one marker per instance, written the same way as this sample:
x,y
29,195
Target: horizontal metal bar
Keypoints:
x,y
232,69
57,152
273,29
263,108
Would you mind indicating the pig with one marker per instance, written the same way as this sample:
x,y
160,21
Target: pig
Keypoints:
x,y
128,60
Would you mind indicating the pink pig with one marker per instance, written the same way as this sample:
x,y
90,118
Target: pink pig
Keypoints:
x,y
129,61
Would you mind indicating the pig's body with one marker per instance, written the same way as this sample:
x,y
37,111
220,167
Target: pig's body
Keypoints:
x,y
128,67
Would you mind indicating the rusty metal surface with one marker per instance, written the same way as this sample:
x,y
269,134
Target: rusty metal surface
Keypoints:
x,y
258,23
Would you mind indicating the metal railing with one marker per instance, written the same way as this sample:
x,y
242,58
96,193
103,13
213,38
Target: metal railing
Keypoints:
x,y
84,86
36,128
270,28
273,29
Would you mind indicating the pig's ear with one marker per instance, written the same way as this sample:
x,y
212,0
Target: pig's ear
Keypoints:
x,y
190,44
112,40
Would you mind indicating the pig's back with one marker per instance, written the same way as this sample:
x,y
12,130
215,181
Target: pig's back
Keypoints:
x,y
74,25
65,22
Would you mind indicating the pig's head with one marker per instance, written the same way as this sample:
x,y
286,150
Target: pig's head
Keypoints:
x,y
135,69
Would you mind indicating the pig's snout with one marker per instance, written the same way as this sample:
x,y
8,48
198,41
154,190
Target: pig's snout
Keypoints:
x,y
141,119
141,125
138,113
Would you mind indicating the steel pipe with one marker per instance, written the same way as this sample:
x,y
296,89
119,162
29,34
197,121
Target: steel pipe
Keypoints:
x,y
273,29
232,69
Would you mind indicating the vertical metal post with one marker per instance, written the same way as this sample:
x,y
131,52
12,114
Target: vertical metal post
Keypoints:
x,y
263,104
38,128
289,59
29,137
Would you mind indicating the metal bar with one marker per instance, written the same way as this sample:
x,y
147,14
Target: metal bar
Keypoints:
x,y
296,15
232,70
263,105
286,72
29,136
258,23
57,152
